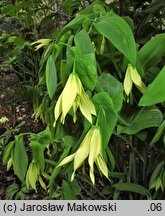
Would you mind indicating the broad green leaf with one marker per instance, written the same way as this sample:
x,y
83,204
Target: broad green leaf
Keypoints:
x,y
44,137
7,152
83,42
107,116
145,118
153,51
68,192
85,67
131,187
114,88
84,58
38,153
155,92
51,76
20,158
118,31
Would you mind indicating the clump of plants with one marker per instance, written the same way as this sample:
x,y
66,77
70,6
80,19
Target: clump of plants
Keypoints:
x,y
102,99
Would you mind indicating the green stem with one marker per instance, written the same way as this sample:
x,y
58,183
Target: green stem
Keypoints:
x,y
50,162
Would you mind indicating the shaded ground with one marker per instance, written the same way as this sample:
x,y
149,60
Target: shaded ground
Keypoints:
x,y
19,113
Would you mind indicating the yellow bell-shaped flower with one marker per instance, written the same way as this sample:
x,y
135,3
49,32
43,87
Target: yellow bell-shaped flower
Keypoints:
x,y
73,95
131,77
90,147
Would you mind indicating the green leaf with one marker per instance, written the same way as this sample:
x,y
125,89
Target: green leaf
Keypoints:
x,y
68,191
10,10
44,137
155,92
85,67
116,174
84,58
107,116
64,73
38,154
51,76
118,31
156,173
111,157
131,187
7,152
57,170
108,190
160,131
114,88
83,42
153,51
74,24
93,8
20,159
11,191
145,118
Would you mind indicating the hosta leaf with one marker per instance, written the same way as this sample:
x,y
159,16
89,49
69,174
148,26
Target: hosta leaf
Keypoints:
x,y
51,76
153,51
118,31
20,158
131,187
114,88
155,92
145,118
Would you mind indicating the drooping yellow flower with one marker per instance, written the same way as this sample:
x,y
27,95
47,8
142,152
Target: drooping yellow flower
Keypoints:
x,y
73,95
90,147
33,175
131,77
41,43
